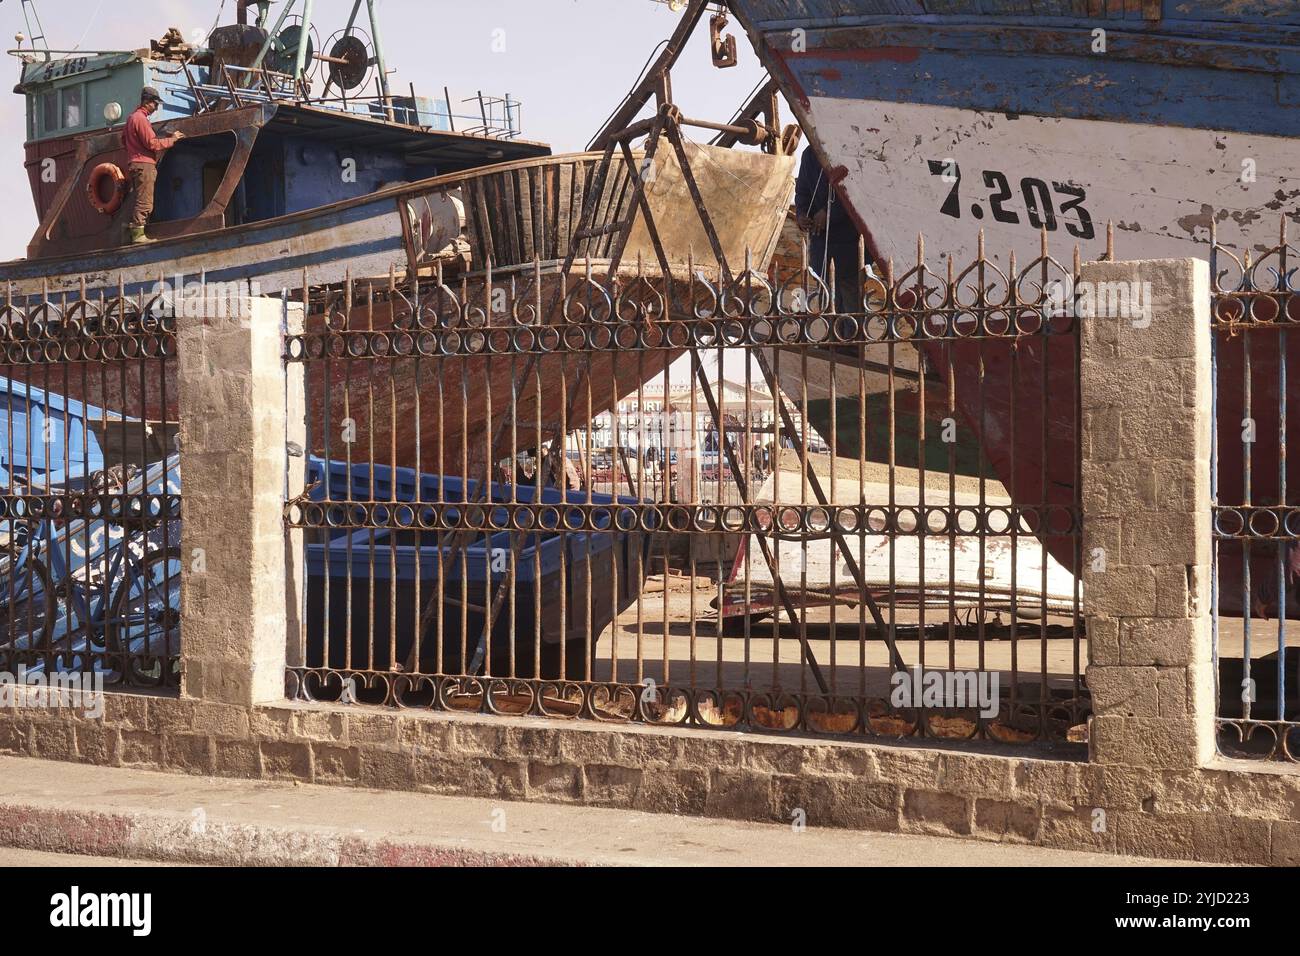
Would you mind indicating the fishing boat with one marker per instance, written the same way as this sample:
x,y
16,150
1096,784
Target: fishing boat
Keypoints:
x,y
1171,119
288,191
261,146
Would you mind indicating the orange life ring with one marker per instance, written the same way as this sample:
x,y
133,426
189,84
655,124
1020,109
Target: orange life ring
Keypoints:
x,y
116,190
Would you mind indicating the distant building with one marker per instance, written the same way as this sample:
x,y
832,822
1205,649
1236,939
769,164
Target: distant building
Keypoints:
x,y
649,418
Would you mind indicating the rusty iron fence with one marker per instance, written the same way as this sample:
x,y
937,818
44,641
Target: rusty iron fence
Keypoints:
x,y
90,529
890,519
1256,527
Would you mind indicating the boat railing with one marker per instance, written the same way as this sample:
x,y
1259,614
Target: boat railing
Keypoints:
x,y
234,87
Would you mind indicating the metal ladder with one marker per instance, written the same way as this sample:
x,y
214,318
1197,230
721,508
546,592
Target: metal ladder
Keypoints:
x,y
36,33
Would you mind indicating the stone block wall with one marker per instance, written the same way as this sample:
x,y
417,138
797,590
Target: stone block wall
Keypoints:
x,y
1152,786
1217,813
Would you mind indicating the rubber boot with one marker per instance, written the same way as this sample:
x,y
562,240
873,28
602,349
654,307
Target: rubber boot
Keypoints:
x,y
137,235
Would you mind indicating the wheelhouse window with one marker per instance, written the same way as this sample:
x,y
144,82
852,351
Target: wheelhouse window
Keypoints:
x,y
72,113
50,111
62,109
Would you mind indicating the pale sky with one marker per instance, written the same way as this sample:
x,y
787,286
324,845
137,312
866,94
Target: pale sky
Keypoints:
x,y
568,61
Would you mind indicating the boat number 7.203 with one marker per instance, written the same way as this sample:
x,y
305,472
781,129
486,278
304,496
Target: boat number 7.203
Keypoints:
x,y
1040,202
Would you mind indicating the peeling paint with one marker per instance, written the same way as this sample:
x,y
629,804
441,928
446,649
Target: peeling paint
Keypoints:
x,y
1280,199
1202,220
1100,83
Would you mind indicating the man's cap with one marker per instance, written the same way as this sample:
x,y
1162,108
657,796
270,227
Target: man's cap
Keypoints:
x,y
148,94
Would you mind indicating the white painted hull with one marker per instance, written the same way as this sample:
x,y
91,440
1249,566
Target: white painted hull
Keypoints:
x,y
961,570
1159,185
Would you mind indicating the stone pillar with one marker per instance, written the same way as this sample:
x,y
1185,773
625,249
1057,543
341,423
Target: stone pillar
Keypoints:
x,y
1146,394
233,477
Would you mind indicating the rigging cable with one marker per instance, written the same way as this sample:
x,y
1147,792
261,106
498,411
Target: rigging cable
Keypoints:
x,y
93,17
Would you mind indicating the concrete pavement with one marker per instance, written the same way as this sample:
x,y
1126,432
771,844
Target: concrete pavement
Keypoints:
x,y
10,858
61,808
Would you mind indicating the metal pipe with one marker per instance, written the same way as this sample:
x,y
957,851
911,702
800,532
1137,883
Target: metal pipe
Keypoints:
x,y
352,17
750,135
31,15
304,40
379,57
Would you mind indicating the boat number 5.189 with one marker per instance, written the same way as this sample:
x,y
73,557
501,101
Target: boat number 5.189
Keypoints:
x,y
60,68
1039,202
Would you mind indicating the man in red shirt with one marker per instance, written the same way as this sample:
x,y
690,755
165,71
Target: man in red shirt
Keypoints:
x,y
143,150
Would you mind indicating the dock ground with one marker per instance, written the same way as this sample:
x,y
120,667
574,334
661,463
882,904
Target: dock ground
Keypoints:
x,y
61,814
857,667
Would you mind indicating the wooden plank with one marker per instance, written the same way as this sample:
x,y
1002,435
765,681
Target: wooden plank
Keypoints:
x,y
492,202
550,210
563,203
610,199
599,217
616,189
528,199
484,222
577,197
509,216
473,230
493,213
519,224
620,207
511,196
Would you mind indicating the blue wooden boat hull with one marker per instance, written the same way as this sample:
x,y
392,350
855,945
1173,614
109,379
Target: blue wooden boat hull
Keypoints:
x,y
368,589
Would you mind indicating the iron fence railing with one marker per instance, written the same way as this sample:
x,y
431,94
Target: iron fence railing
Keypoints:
x,y
1256,594
89,489
861,520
